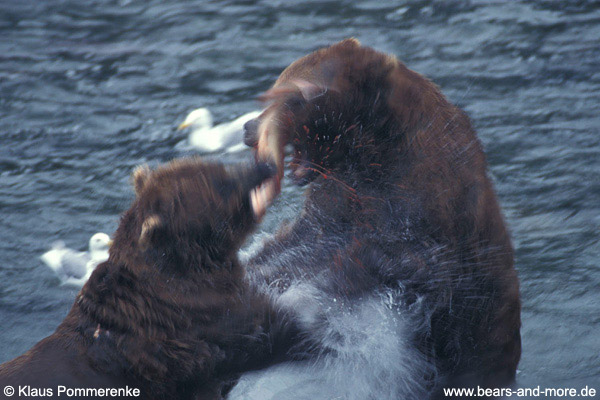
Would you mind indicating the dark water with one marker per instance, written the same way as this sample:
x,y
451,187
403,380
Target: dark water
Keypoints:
x,y
90,89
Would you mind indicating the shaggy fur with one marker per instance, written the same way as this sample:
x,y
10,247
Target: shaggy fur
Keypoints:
x,y
399,207
169,312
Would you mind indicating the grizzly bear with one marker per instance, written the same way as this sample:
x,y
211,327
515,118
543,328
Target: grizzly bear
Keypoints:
x,y
400,218
169,313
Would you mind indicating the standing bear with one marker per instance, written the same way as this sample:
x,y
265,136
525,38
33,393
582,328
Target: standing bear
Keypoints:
x,y
399,269
169,313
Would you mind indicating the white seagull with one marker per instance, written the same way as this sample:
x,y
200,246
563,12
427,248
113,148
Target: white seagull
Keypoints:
x,y
207,138
75,267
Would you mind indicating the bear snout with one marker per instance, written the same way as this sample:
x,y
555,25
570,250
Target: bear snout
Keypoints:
x,y
251,132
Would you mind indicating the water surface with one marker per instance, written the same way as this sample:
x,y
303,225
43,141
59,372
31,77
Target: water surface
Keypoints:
x,y
91,88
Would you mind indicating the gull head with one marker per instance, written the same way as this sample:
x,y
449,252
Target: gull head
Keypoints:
x,y
99,243
200,118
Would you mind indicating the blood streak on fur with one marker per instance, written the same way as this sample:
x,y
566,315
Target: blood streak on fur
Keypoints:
x,y
436,244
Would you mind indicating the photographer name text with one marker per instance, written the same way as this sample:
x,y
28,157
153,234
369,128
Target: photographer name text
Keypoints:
x,y
64,391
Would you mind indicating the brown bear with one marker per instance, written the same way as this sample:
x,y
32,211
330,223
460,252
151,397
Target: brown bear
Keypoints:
x,y
169,313
399,206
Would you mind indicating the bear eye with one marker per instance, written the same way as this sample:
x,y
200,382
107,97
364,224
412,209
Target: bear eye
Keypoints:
x,y
294,103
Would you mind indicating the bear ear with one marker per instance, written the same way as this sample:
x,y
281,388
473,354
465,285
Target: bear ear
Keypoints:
x,y
140,177
149,227
306,89
353,42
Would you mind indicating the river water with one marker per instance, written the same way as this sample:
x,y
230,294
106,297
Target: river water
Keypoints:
x,y
91,88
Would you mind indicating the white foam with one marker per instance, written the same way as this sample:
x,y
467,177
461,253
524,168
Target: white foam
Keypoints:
x,y
364,350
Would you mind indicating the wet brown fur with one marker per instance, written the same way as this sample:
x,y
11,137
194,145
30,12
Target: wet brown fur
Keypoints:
x,y
380,144
169,312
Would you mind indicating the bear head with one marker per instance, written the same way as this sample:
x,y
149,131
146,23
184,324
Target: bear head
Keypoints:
x,y
341,107
194,207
